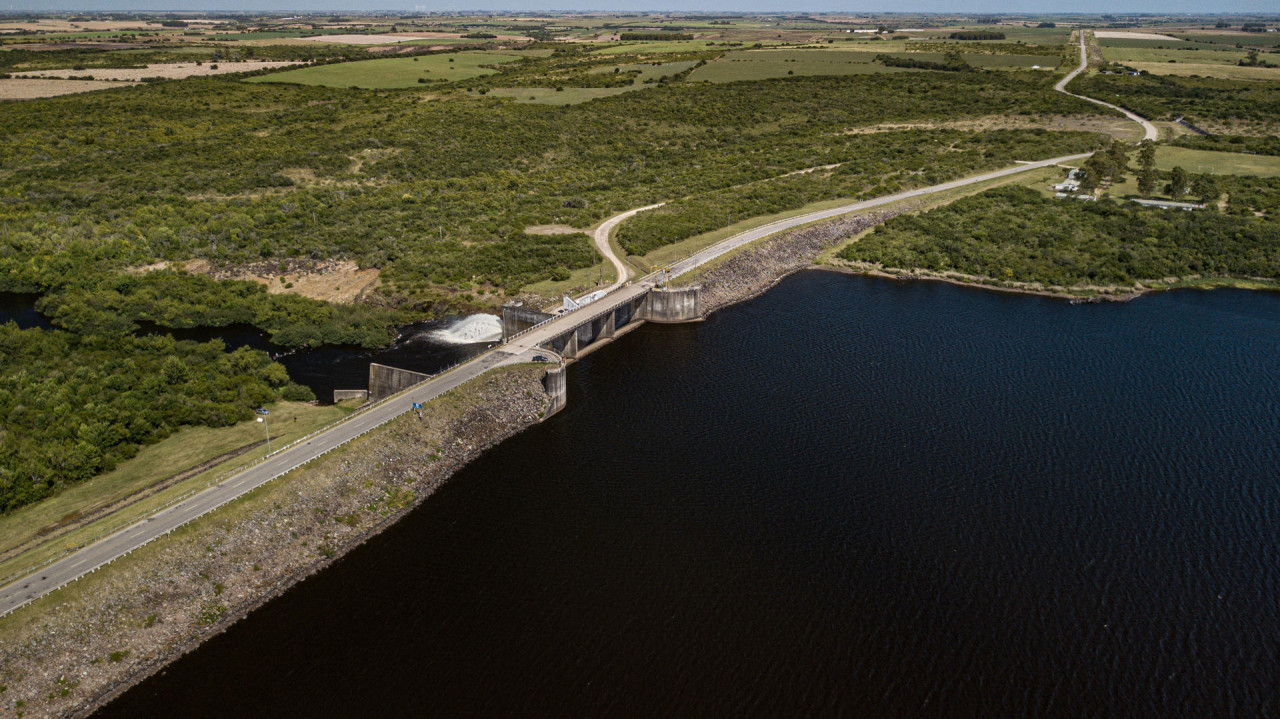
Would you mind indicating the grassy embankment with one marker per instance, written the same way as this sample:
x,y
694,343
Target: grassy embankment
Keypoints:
x,y
397,72
141,611
188,460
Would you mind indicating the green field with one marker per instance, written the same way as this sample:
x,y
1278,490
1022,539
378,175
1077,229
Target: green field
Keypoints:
x,y
664,46
770,64
1217,163
1190,54
1251,39
398,72
575,95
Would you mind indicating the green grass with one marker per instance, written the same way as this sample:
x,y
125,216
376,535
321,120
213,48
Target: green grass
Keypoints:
x,y
1251,39
663,46
575,95
770,64
647,70
1183,54
1217,163
390,73
187,448
567,96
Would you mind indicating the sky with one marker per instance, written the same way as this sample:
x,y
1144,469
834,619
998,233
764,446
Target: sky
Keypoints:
x,y
907,6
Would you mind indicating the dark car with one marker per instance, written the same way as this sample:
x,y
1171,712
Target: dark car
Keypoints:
x,y
540,358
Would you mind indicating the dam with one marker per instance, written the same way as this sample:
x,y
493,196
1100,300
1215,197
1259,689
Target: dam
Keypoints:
x,y
568,335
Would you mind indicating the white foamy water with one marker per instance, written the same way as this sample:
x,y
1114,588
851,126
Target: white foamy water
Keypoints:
x,y
470,330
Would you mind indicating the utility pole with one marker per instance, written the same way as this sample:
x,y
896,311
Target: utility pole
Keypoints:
x,y
267,427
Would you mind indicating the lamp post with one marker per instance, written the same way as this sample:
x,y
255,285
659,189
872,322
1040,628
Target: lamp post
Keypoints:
x,y
267,427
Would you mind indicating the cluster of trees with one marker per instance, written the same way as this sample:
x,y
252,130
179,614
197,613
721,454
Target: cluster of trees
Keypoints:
x,y
113,304
220,177
871,166
1015,234
1265,145
1107,165
73,406
1196,98
977,35
952,62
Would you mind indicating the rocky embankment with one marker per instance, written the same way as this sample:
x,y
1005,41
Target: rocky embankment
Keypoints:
x,y
76,648
754,269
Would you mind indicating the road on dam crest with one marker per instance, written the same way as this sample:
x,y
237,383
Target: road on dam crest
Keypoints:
x,y
519,349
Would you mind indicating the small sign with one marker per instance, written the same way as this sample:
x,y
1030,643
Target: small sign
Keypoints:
x,y
417,405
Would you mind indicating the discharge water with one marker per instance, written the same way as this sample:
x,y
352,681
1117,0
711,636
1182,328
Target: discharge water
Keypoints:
x,y
422,346
847,497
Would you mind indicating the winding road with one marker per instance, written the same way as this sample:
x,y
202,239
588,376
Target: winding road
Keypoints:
x,y
1150,132
519,349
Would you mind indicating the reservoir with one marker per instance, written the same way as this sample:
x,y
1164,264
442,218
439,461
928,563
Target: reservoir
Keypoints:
x,y
848,497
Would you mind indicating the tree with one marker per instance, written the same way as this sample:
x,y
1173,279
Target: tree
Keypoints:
x,y
1147,179
1178,183
1118,160
1147,155
1206,188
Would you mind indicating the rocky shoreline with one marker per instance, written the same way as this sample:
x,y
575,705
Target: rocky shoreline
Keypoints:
x,y
753,270
76,649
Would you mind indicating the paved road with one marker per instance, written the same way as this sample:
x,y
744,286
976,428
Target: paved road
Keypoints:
x,y
602,243
519,349
743,238
1150,132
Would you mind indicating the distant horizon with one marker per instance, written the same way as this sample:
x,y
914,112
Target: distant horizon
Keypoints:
x,y
913,7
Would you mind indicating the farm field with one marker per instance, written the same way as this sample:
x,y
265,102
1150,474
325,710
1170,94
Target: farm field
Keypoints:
x,y
31,89
391,73
1127,35
770,64
1188,54
565,96
1217,163
1225,72
171,71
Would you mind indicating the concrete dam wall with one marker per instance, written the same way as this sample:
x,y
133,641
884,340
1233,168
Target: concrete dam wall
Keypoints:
x,y
679,304
385,381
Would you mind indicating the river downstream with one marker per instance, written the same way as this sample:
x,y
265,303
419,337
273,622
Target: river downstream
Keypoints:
x,y
849,496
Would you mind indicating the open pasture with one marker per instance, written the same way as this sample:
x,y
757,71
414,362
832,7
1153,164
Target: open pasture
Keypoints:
x,y
391,73
770,64
171,71
1224,72
30,89
1185,53
1217,163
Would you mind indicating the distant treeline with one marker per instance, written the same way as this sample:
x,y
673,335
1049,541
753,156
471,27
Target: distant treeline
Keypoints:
x,y
654,36
953,63
977,35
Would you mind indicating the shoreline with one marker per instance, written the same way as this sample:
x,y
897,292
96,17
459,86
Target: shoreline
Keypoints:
x,y
891,273
747,273
76,650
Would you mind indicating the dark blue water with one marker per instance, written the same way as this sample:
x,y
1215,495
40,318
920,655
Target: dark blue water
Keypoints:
x,y
323,369
331,367
848,497
20,308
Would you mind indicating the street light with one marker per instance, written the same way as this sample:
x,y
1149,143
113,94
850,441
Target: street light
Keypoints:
x,y
267,427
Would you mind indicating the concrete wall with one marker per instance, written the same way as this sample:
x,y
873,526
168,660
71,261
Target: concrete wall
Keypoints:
x,y
517,317
341,394
385,381
681,304
557,386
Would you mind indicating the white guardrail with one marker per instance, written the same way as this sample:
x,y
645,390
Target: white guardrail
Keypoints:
x,y
711,252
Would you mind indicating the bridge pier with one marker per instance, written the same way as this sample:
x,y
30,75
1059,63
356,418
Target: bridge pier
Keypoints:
x,y
672,304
